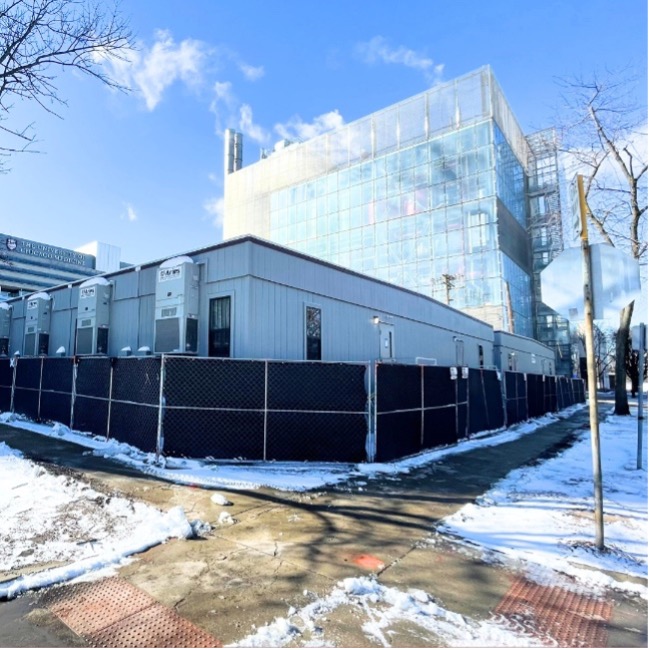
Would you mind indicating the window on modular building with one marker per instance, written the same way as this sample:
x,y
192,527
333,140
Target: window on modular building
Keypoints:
x,y
481,357
313,333
219,343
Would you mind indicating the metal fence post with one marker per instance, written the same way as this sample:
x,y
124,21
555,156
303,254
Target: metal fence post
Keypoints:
x,y
73,395
40,389
371,392
14,365
110,398
501,376
526,395
266,405
421,406
160,439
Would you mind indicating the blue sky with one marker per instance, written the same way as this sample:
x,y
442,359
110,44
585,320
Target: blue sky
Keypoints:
x,y
144,171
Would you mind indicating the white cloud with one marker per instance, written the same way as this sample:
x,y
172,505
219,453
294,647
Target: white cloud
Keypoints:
x,y
151,71
215,208
297,129
229,112
129,213
252,73
248,126
378,50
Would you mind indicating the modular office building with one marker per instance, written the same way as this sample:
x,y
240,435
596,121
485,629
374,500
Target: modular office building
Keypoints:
x,y
250,299
442,194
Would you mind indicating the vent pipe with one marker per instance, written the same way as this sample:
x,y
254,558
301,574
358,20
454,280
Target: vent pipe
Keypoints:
x,y
229,151
239,150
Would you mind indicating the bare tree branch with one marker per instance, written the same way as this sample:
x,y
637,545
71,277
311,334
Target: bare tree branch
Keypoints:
x,y
41,38
598,133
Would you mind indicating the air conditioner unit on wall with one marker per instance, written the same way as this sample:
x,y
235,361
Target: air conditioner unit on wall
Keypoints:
x,y
93,317
37,324
176,324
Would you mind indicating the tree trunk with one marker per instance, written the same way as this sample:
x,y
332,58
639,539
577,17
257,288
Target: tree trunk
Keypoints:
x,y
621,406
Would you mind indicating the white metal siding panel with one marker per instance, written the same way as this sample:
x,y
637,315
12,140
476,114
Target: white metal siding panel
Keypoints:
x,y
60,329
146,315
16,333
123,326
61,299
125,286
146,281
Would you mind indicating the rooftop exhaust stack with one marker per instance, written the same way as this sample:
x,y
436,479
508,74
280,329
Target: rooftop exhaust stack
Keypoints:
x,y
229,151
239,150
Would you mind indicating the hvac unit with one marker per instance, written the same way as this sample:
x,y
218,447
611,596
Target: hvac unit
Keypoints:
x,y
37,325
177,307
93,315
5,328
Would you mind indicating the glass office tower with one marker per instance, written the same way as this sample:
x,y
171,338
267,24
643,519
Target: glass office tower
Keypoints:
x,y
431,194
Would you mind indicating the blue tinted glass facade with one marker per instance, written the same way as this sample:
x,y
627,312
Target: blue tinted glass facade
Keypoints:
x,y
423,218
511,178
430,194
518,297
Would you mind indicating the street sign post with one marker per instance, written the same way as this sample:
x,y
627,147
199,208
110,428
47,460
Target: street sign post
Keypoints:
x,y
610,281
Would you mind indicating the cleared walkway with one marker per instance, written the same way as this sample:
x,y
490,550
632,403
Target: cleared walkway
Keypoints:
x,y
287,548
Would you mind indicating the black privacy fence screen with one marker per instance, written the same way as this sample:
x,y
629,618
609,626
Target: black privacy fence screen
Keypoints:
x,y
275,410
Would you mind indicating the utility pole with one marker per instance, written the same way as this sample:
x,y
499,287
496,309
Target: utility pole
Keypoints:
x,y
449,282
591,369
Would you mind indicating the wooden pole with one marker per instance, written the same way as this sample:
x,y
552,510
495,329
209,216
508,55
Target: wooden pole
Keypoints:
x,y
591,371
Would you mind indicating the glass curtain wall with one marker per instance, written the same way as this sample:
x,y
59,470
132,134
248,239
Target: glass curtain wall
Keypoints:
x,y
408,195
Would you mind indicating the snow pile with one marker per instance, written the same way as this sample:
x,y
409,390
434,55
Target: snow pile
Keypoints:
x,y
56,519
283,476
543,516
384,606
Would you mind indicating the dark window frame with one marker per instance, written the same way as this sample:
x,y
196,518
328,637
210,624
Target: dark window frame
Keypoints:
x,y
220,338
313,332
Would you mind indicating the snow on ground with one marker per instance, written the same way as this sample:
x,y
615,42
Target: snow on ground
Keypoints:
x,y
287,476
538,517
54,519
382,607
543,516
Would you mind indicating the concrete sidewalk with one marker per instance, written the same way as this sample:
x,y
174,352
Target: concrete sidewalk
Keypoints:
x,y
285,548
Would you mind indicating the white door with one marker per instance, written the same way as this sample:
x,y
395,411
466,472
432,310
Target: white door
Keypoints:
x,y
386,341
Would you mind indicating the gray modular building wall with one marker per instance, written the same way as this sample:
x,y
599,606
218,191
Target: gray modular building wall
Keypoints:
x,y
270,289
520,354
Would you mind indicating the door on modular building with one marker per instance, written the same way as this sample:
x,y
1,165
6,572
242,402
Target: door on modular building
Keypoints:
x,y
386,341
220,334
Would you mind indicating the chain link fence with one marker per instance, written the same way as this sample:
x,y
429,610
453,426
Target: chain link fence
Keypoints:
x,y
421,407
193,407
276,410
265,410
6,384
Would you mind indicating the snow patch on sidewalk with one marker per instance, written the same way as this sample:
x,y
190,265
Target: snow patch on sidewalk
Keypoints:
x,y
49,518
542,517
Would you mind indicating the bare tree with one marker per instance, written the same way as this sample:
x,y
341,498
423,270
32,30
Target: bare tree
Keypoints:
x,y
41,38
604,350
632,367
604,130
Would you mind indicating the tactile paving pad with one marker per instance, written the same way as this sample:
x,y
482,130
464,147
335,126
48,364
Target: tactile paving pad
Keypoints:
x,y
114,613
558,617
